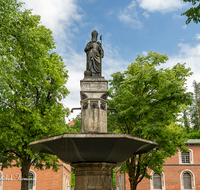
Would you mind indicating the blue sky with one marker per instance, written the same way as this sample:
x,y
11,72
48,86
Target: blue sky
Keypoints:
x,y
128,28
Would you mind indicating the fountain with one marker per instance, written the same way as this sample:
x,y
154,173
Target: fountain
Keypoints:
x,y
93,152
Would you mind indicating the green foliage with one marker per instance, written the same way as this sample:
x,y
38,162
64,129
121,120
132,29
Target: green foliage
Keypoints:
x,y
72,178
76,128
186,121
148,102
193,13
196,109
193,113
191,116
114,178
32,82
77,123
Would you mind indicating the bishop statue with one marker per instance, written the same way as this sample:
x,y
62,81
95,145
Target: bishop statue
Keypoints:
x,y
94,54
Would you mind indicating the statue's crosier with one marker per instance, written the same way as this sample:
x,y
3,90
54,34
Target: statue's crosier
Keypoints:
x,y
94,54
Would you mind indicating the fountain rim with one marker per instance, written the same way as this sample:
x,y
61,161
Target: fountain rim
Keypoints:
x,y
91,135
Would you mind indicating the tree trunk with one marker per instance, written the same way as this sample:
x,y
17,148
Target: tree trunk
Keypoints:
x,y
133,184
131,165
24,173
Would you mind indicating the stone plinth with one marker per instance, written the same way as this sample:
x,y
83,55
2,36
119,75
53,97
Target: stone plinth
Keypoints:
x,y
94,105
93,176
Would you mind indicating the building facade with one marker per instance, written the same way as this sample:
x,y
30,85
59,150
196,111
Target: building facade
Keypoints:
x,y
181,172
10,178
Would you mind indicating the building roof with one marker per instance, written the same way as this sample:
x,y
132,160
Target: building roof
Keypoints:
x,y
193,141
71,123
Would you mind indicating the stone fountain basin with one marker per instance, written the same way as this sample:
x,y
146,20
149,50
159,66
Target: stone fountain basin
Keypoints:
x,y
93,147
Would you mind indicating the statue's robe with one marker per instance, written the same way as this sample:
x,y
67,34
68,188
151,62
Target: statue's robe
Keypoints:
x,y
94,54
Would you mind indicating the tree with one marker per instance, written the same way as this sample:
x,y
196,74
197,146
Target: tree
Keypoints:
x,y
191,115
77,124
193,13
197,101
32,82
148,101
186,122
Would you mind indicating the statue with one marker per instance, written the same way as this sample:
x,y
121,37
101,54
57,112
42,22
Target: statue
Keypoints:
x,y
94,54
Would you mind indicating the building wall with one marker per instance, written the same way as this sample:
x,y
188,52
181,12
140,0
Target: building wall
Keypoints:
x,y
45,179
172,172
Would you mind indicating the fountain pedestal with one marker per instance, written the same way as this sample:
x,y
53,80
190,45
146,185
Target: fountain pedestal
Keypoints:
x,y
94,105
94,176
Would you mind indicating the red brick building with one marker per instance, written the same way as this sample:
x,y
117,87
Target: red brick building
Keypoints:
x,y
181,172
38,179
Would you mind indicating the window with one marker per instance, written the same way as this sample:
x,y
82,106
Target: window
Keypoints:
x,y
67,186
32,180
66,181
187,180
186,157
157,182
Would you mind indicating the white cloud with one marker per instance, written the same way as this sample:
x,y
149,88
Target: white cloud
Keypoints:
x,y
145,53
177,16
56,15
113,60
145,15
129,16
190,55
76,64
197,36
110,13
184,26
162,6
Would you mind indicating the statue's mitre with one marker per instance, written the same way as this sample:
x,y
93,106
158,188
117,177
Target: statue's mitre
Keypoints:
x,y
94,33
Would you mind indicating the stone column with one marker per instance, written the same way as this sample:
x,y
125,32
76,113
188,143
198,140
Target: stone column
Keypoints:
x,y
94,105
94,176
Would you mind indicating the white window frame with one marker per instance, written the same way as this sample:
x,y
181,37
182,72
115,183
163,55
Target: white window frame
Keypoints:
x,y
1,181
162,181
191,157
67,186
34,179
192,179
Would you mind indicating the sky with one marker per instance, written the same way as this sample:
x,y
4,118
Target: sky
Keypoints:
x,y
128,28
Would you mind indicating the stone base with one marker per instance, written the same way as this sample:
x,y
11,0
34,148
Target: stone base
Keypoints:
x,y
94,92
92,176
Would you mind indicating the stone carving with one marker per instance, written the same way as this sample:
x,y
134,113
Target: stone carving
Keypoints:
x,y
103,96
94,104
83,96
85,105
94,53
103,106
